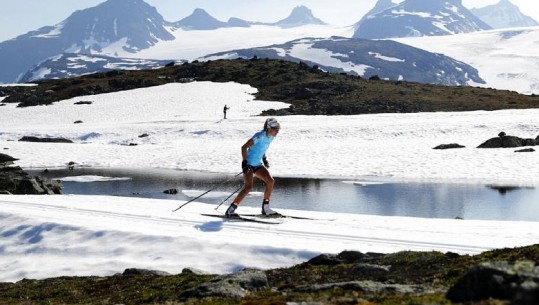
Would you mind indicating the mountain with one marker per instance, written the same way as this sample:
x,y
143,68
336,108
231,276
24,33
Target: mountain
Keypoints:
x,y
506,58
70,65
420,18
381,5
299,16
128,25
504,14
200,20
385,58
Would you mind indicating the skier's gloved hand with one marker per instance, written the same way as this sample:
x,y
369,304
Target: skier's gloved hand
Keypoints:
x,y
245,168
265,161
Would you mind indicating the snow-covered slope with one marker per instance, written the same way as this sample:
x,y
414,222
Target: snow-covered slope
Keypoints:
x,y
506,59
48,236
71,65
384,58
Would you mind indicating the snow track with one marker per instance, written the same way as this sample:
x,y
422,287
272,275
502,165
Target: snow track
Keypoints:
x,y
102,235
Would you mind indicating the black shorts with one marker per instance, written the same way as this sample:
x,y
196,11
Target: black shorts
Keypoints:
x,y
255,168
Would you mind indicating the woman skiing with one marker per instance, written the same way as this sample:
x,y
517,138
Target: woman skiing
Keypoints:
x,y
255,164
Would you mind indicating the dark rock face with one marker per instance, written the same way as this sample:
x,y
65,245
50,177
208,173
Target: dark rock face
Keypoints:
x,y
505,141
13,180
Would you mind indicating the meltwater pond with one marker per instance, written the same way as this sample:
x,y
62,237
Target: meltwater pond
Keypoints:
x,y
431,200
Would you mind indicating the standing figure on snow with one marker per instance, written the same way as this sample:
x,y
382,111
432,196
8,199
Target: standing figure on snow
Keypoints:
x,y
224,110
255,164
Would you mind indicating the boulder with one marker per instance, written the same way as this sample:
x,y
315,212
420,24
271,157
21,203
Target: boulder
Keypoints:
x,y
498,280
137,271
47,140
230,286
525,150
449,146
7,158
505,141
13,180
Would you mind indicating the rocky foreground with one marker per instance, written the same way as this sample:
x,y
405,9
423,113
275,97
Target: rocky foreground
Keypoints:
x,y
505,276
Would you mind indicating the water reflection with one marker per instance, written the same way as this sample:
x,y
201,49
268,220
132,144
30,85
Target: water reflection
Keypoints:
x,y
433,200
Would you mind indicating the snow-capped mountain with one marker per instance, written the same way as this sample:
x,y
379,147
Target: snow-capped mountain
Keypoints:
x,y
126,25
506,59
384,58
380,6
413,18
69,65
301,15
504,14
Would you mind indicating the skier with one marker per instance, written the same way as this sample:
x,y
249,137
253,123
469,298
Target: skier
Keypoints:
x,y
255,164
224,110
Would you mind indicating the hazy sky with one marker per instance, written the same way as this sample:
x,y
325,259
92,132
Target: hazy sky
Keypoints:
x,y
21,16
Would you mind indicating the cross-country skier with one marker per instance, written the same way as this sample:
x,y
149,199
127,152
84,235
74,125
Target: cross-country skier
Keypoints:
x,y
255,164
224,111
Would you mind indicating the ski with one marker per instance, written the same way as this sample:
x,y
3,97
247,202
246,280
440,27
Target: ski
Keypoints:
x,y
244,218
277,216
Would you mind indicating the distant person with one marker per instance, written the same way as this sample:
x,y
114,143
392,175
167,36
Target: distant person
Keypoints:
x,y
255,164
224,111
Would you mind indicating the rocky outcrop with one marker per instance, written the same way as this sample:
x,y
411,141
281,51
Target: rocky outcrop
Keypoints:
x,y
505,141
518,282
230,286
13,180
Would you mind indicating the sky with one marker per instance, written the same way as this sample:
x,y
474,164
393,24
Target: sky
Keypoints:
x,y
19,17
77,235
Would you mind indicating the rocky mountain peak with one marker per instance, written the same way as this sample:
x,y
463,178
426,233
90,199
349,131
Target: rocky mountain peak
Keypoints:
x,y
504,14
300,15
419,18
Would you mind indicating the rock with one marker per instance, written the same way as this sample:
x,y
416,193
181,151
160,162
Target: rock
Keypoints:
x,y
230,286
83,103
351,256
137,271
6,158
171,191
47,140
505,141
498,280
193,271
13,180
144,135
325,259
525,150
363,286
449,146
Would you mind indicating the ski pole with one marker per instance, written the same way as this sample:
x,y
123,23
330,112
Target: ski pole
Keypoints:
x,y
239,188
213,188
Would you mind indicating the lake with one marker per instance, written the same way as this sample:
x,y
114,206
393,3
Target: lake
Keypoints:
x,y
431,200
